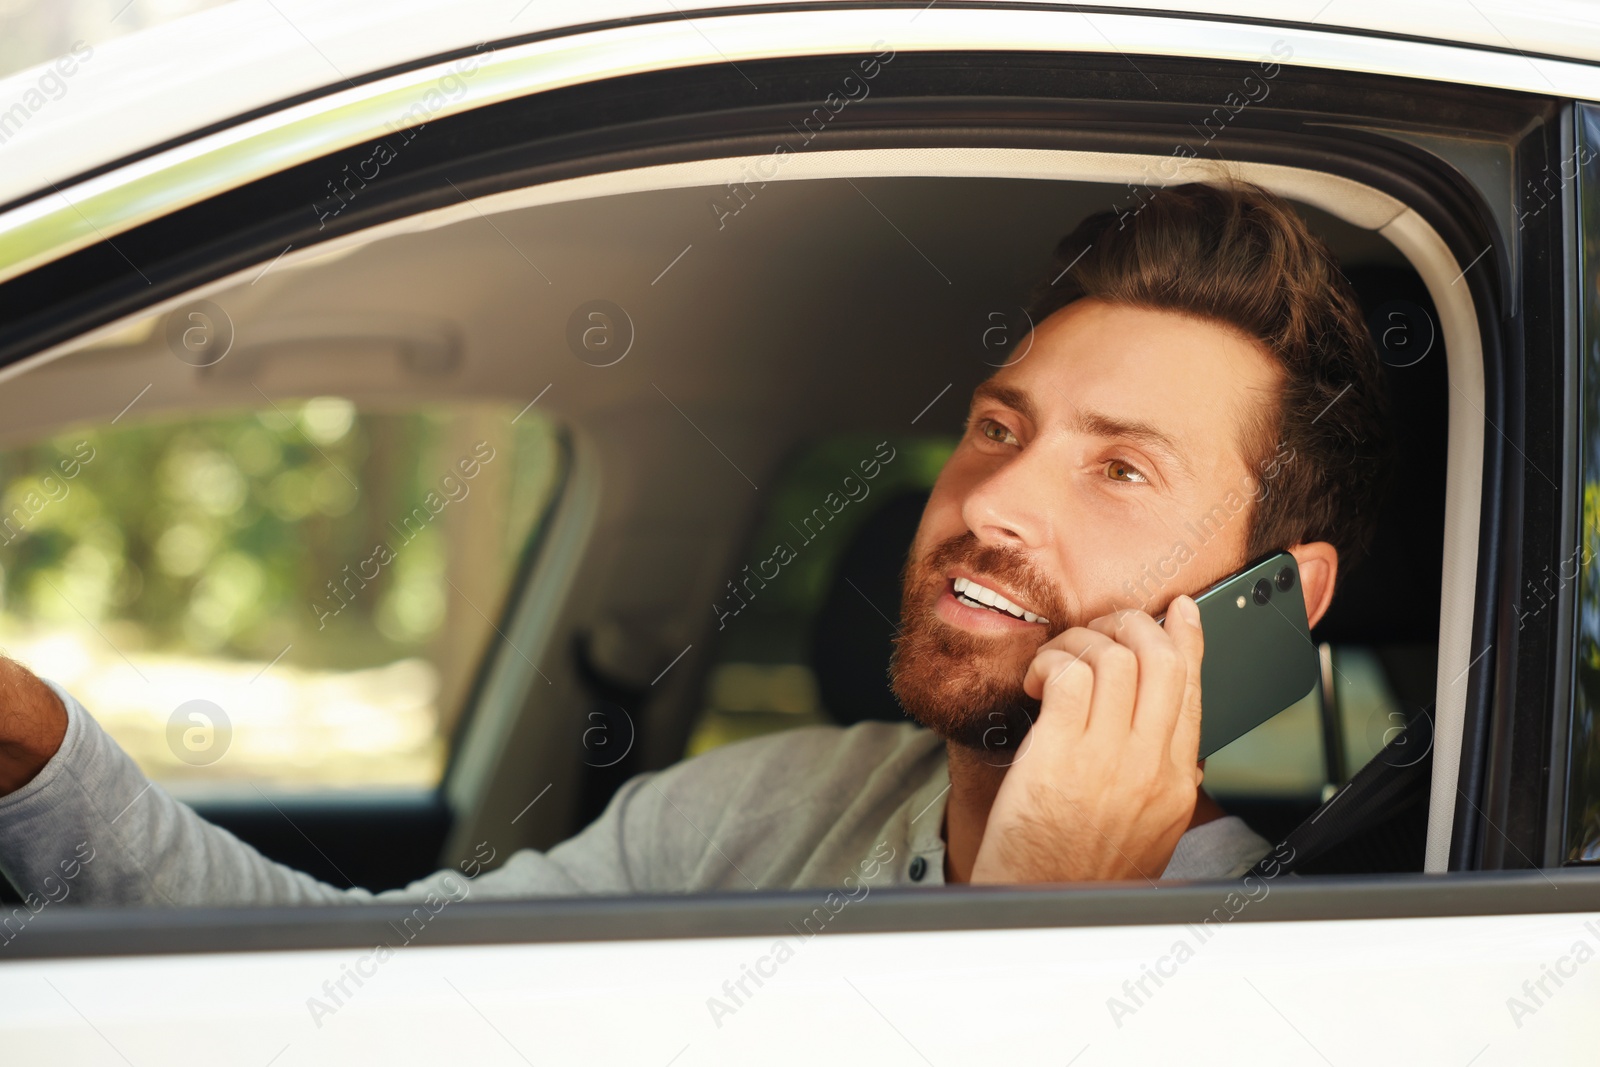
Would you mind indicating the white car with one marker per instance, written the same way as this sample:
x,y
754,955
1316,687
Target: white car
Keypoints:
x,y
275,275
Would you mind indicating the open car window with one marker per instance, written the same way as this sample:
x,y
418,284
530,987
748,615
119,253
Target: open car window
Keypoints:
x,y
291,596
697,469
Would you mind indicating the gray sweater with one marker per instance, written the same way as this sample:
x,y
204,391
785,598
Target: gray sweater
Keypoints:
x,y
816,807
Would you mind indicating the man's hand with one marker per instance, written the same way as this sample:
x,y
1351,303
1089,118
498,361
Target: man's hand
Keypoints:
x,y
32,723
1107,780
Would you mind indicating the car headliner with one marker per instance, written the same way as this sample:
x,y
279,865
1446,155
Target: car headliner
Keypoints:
x,y
166,83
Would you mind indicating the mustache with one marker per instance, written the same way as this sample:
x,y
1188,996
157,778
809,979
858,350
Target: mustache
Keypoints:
x,y
1008,566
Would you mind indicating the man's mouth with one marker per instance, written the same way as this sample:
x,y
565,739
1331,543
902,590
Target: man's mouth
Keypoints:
x,y
976,595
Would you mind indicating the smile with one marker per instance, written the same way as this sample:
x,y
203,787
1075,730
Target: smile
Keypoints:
x,y
974,595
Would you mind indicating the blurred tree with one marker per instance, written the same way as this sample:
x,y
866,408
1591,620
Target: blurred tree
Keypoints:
x,y
237,535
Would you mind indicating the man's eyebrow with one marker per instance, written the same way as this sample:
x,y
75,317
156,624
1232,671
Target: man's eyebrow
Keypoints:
x,y
1010,396
1102,425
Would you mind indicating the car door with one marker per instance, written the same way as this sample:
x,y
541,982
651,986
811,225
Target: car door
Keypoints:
x,y
1455,157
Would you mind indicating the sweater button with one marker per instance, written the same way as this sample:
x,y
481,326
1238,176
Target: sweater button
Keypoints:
x,y
919,867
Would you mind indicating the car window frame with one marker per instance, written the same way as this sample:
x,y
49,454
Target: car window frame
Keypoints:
x,y
1576,735
1488,286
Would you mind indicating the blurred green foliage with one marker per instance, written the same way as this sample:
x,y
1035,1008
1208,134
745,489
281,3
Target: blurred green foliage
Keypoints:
x,y
216,535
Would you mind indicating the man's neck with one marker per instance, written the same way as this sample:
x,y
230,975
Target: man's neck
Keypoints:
x,y
973,785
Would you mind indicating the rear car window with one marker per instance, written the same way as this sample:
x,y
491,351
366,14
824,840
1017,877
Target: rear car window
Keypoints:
x,y
295,595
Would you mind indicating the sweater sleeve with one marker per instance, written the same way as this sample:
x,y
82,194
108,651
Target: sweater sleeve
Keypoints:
x,y
91,827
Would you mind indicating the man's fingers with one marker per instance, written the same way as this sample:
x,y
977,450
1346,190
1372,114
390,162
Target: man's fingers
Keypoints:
x,y
1163,674
1062,682
1115,672
1078,676
1125,674
1183,624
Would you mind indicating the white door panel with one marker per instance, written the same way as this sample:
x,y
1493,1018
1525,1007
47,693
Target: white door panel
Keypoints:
x,y
1414,991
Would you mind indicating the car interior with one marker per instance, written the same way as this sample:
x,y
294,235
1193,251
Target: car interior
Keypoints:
x,y
673,384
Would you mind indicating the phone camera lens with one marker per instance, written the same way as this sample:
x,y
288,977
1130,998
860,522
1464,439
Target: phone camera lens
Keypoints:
x,y
1263,591
1285,579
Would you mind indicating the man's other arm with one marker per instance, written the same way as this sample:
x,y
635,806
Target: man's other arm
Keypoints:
x,y
79,819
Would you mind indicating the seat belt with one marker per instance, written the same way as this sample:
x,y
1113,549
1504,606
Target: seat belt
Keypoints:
x,y
1366,800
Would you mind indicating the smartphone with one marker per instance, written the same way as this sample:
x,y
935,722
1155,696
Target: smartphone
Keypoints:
x,y
1259,656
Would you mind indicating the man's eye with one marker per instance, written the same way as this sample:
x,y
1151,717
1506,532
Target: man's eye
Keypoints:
x,y
1118,471
994,431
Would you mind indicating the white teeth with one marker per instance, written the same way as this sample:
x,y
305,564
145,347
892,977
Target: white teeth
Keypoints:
x,y
970,590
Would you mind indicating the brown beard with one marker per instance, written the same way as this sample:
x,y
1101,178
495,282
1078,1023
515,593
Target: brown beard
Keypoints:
x,y
947,679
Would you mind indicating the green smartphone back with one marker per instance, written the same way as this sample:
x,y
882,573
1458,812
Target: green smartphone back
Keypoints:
x,y
1259,657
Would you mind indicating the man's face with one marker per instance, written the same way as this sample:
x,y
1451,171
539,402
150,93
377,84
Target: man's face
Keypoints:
x,y
1113,466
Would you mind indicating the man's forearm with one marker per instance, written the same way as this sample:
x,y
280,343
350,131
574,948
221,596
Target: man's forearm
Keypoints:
x,y
89,799
86,824
32,723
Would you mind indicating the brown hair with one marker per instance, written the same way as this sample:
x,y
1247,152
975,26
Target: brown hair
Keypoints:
x,y
1234,254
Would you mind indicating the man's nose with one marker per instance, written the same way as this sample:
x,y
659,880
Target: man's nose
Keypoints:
x,y
1009,506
